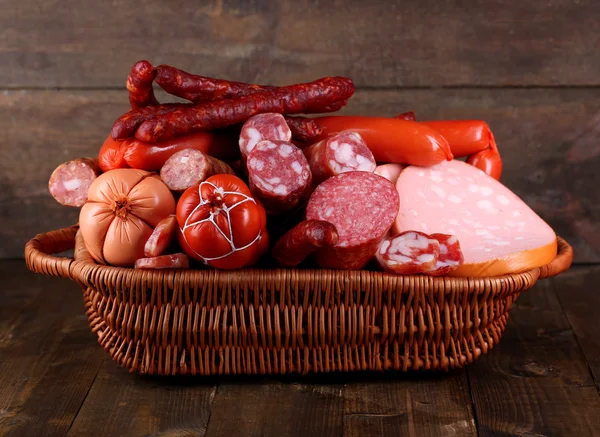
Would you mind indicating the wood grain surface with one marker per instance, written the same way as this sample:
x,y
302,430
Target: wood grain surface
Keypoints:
x,y
549,140
377,43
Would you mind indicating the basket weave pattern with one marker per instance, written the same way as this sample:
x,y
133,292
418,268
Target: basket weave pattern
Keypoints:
x,y
256,321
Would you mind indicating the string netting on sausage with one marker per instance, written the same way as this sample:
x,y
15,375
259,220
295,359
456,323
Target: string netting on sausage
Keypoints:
x,y
226,209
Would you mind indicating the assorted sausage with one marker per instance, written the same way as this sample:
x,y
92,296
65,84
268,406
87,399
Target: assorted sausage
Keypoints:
x,y
302,240
189,167
70,181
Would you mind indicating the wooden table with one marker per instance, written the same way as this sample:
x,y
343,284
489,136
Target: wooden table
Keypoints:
x,y
541,380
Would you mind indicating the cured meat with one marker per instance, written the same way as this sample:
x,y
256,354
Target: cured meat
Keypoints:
x,y
302,240
111,154
201,88
189,167
126,125
498,232
151,157
410,116
268,126
389,171
362,206
303,129
162,237
173,261
279,175
408,253
71,180
139,85
450,257
337,154
310,97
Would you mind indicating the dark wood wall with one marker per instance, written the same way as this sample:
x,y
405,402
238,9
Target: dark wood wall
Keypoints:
x,y
530,69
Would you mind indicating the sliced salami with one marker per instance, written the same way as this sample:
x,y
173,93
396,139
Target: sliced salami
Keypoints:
x,y
340,153
279,175
162,237
189,167
390,171
269,126
408,253
362,206
173,261
450,257
302,240
70,181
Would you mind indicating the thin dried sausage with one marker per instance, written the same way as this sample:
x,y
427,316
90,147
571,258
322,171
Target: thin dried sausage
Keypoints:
x,y
302,240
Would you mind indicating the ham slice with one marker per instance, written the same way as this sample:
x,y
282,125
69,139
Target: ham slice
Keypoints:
x,y
498,233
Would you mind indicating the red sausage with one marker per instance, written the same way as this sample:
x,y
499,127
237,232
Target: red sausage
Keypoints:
x,y
303,129
201,88
295,99
340,153
269,126
126,125
151,157
408,253
71,180
392,139
111,154
189,167
362,206
174,261
410,116
302,240
279,176
450,257
139,85
162,237
464,136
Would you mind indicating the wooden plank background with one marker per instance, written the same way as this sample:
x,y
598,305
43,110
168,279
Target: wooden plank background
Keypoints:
x,y
530,69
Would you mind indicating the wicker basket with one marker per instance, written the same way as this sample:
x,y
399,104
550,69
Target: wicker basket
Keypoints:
x,y
256,321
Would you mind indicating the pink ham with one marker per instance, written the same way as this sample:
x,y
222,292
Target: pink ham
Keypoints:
x,y
389,171
498,232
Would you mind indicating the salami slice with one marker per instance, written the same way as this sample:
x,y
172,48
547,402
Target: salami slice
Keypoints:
x,y
279,175
269,126
162,237
174,261
408,253
362,206
70,181
340,153
302,240
189,167
390,171
450,257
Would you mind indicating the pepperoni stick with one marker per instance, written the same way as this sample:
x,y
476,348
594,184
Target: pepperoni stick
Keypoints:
x,y
162,237
139,85
337,154
302,240
278,175
362,206
269,126
174,261
126,125
70,181
408,253
189,167
450,257
295,99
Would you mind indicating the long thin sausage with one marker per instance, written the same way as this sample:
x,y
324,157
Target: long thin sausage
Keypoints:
x,y
303,98
302,240
139,85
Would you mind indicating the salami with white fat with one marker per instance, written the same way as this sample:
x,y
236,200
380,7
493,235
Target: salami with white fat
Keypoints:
x,y
362,206
279,175
173,261
71,180
450,257
408,253
340,153
189,167
269,126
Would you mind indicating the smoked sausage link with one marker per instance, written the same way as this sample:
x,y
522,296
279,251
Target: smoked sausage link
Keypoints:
x,y
302,240
139,85
295,99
